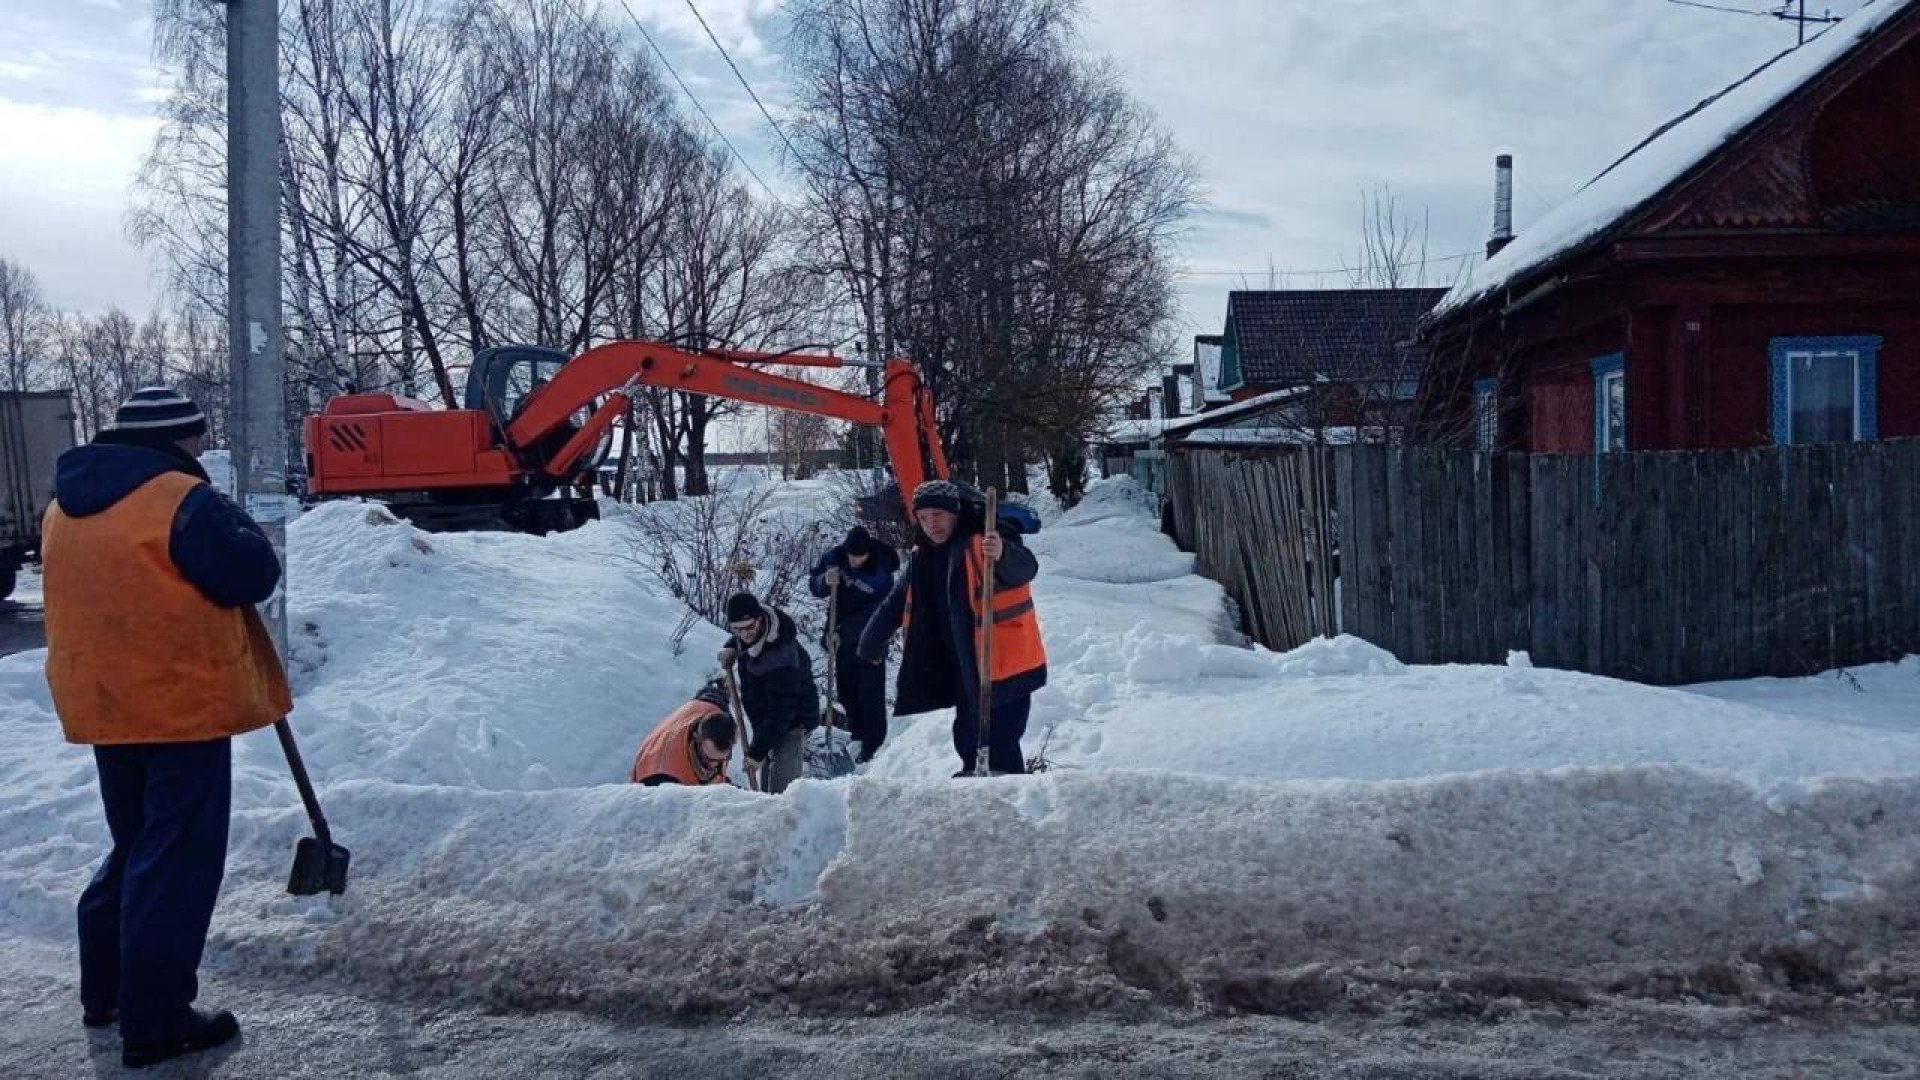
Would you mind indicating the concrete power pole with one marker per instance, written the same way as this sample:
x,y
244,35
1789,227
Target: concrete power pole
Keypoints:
x,y
253,279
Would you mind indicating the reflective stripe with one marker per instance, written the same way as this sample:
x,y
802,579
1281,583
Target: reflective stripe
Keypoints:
x,y
1014,612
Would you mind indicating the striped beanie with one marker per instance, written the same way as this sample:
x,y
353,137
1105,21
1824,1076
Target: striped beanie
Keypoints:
x,y
159,414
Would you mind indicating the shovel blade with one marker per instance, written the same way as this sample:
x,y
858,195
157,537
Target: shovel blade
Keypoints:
x,y
318,867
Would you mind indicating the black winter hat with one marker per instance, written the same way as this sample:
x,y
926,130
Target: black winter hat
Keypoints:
x,y
859,541
159,415
742,606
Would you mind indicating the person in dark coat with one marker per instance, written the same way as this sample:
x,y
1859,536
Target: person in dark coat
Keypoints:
x,y
863,568
937,598
776,687
156,658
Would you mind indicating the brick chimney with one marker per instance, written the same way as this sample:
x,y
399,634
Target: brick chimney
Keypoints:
x,y
1502,205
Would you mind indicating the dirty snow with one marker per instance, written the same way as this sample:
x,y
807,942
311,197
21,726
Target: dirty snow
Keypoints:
x,y
1650,168
1226,829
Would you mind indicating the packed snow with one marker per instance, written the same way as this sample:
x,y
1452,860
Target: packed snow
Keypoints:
x,y
1221,827
1668,155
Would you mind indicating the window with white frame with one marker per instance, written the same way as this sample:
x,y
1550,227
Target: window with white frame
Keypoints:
x,y
1610,404
1824,389
1486,414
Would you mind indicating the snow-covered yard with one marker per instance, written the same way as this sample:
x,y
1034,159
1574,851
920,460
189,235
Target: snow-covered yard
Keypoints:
x,y
1225,829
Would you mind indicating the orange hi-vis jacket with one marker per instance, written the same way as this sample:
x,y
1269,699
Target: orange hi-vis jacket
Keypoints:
x,y
135,652
668,751
1017,648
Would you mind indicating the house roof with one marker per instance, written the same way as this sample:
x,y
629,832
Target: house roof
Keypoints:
x,y
1674,152
1297,336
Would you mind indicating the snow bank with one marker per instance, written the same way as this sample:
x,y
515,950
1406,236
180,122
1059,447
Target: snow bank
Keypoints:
x,y
1225,828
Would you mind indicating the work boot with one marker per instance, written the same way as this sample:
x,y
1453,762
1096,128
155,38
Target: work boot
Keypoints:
x,y
204,1032
103,1018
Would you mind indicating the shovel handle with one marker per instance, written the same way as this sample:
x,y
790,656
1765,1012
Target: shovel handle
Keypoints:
x,y
299,769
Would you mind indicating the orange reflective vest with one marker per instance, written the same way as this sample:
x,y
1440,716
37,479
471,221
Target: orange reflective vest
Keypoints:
x,y
1017,648
668,751
136,653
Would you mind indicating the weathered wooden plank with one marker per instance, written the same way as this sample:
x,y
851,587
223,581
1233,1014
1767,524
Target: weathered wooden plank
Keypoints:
x,y
1517,550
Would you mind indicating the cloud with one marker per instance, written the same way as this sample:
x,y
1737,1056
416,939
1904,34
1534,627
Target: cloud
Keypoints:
x,y
63,185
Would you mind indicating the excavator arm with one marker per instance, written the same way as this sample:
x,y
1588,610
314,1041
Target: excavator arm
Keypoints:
x,y
904,414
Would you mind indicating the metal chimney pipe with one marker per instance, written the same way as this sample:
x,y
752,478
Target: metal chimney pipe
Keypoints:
x,y
1502,205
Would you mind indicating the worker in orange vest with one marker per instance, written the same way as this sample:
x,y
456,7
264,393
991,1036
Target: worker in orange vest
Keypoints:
x,y
156,657
692,745
937,600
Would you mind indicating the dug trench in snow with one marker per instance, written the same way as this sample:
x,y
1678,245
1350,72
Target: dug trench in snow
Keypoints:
x,y
1300,834
1434,897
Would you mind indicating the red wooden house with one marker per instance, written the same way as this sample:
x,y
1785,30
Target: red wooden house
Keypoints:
x,y
1749,274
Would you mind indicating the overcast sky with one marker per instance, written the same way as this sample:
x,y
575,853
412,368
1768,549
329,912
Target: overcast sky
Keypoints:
x,y
1290,108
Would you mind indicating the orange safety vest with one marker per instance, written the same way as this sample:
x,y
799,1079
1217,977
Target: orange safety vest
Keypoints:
x,y
135,652
1017,648
669,749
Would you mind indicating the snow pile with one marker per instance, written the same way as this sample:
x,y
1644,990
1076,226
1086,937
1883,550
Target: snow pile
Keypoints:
x,y
1225,828
1654,165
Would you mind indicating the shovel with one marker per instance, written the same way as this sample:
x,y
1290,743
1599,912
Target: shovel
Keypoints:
x,y
740,721
829,750
319,864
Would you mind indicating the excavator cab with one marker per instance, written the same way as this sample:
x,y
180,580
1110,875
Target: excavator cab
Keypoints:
x,y
503,376
500,383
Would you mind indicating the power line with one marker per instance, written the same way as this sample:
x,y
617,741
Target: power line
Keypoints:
x,y
1274,272
743,80
668,64
1717,7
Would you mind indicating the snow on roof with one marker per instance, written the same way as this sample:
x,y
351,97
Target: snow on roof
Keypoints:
x,y
1668,155
1288,436
1243,408
1207,350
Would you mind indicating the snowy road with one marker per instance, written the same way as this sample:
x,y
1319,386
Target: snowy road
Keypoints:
x,y
330,1034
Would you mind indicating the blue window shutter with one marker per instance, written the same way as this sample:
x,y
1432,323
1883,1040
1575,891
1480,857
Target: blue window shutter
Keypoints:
x,y
1602,367
1782,412
1870,391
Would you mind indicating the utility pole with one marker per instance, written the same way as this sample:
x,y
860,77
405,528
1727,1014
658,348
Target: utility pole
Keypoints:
x,y
1801,18
254,339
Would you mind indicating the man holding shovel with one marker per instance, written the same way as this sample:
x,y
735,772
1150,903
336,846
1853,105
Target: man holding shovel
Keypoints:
x,y
941,599
777,694
854,577
156,658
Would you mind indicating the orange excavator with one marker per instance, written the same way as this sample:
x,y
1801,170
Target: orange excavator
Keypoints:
x,y
536,425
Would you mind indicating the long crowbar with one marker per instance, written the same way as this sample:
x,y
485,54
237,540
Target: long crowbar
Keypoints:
x,y
984,661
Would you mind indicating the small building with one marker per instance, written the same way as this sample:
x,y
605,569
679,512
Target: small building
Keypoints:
x,y
1748,274
1354,349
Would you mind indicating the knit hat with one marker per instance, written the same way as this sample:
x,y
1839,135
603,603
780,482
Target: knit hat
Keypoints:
x,y
158,414
859,541
742,606
937,495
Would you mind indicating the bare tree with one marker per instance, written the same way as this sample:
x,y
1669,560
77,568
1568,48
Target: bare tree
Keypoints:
x,y
992,205
1393,244
23,315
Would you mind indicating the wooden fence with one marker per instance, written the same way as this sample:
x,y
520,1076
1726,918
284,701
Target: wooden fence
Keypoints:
x,y
1660,567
